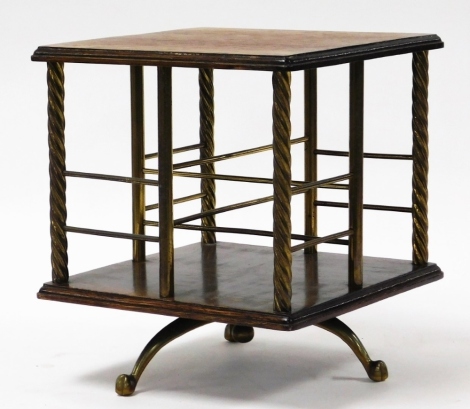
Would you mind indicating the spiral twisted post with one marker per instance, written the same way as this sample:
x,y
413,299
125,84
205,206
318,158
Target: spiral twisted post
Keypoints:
x,y
282,192
206,136
420,157
58,209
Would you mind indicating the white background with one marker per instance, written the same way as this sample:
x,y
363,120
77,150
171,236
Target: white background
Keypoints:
x,y
68,356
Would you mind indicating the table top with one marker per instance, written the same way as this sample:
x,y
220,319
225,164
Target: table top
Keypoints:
x,y
239,48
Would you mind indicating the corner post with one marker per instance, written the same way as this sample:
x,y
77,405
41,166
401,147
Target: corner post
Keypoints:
x,y
282,191
420,153
57,199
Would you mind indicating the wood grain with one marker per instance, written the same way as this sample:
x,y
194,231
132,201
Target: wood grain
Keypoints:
x,y
212,285
238,48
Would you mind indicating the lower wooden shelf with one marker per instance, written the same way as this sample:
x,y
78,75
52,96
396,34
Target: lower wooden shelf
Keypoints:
x,y
232,283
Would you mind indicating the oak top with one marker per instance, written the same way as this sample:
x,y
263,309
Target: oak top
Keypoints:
x,y
238,48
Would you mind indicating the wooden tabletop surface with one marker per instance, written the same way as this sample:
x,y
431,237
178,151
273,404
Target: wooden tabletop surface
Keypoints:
x,y
238,48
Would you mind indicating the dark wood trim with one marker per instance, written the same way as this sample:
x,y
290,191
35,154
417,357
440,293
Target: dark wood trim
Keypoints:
x,y
240,61
221,305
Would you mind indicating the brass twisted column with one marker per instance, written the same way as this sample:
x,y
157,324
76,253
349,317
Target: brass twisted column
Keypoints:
x,y
206,137
282,192
58,212
420,157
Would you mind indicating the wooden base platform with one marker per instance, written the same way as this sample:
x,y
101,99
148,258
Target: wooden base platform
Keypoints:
x,y
232,283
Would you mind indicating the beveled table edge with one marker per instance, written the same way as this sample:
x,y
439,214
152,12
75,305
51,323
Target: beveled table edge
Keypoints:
x,y
275,320
240,61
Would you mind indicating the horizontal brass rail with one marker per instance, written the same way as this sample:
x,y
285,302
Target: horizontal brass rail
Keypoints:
x,y
399,209
232,178
339,186
234,230
366,155
248,179
177,150
113,234
319,240
232,155
112,178
177,201
297,190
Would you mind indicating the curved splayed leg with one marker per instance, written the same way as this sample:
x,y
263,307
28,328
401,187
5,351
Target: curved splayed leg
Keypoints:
x,y
126,384
376,370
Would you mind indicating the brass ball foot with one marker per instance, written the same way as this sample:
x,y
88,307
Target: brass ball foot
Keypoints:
x,y
238,333
125,385
378,371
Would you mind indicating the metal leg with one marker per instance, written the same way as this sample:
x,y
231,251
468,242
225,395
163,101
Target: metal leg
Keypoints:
x,y
420,157
239,333
356,159
206,137
376,370
58,209
282,192
310,160
138,160
126,384
165,187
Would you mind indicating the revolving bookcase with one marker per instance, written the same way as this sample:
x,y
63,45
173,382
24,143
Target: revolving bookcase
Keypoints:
x,y
283,287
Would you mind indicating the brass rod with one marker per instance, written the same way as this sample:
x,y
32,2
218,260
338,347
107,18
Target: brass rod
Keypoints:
x,y
399,209
356,149
313,185
282,274
248,179
319,240
176,150
206,138
339,186
366,155
233,178
310,157
138,160
224,209
57,198
177,201
420,152
117,235
152,223
232,155
241,205
112,178
165,189
249,232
